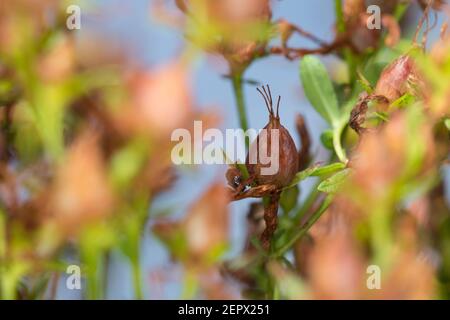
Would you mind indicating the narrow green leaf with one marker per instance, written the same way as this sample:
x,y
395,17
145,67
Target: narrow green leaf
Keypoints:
x,y
319,89
302,175
404,101
316,171
362,80
328,169
332,184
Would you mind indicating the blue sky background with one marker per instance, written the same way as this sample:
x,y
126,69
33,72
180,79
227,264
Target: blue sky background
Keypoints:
x,y
130,25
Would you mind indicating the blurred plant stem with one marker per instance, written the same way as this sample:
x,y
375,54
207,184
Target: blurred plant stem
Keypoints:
x,y
273,291
2,254
54,281
94,287
339,16
309,201
337,143
190,285
310,198
106,264
299,233
137,278
350,58
137,223
400,10
236,79
380,234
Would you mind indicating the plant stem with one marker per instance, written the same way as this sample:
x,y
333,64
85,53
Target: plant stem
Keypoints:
x,y
135,255
339,16
307,203
94,286
190,285
137,275
400,10
341,28
337,145
135,233
106,263
54,285
379,223
240,102
273,289
304,229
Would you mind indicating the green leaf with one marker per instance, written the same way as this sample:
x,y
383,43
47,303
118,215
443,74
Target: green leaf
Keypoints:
x,y
332,184
302,175
447,123
364,82
316,171
319,89
127,162
327,139
382,116
328,169
404,101
289,198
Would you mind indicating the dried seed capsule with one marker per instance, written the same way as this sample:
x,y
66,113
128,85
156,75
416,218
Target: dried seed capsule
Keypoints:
x,y
397,79
284,157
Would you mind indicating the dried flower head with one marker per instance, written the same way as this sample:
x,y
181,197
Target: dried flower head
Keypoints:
x,y
154,107
80,192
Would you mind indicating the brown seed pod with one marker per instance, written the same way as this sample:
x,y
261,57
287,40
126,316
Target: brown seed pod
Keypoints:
x,y
286,155
280,158
397,79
